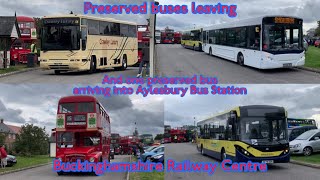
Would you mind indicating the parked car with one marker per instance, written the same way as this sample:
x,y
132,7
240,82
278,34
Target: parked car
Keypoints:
x,y
11,160
306,143
147,155
158,158
111,152
294,132
150,148
317,43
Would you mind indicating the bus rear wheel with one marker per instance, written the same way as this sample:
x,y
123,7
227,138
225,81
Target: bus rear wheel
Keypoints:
x,y
240,59
57,72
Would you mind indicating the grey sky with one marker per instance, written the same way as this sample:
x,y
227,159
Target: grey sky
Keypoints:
x,y
306,9
301,101
37,104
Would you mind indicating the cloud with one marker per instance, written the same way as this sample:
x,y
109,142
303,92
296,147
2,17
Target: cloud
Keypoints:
x,y
10,115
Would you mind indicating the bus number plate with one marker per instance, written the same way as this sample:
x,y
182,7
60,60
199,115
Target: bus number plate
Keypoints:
x,y
268,161
287,65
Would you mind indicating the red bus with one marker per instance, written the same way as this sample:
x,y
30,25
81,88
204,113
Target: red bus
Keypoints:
x,y
167,36
127,144
82,131
21,47
143,40
178,135
177,38
115,141
167,135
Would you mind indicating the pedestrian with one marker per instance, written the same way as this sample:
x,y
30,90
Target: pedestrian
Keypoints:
x,y
3,156
144,60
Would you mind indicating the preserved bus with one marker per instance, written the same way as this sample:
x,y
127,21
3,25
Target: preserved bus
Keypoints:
x,y
81,43
264,42
115,141
82,130
256,133
167,36
178,135
301,122
177,37
167,135
127,144
158,36
22,46
192,39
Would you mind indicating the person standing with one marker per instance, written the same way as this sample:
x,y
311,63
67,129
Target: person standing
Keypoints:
x,y
3,155
145,60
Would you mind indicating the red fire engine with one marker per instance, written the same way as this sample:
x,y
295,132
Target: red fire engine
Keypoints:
x,y
82,131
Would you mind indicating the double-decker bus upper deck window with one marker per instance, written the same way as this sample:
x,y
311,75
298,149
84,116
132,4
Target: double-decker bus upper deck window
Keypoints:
x,y
86,107
67,108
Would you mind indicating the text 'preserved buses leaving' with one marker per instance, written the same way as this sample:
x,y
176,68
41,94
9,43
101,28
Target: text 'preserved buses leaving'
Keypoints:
x,y
82,131
80,43
255,133
264,43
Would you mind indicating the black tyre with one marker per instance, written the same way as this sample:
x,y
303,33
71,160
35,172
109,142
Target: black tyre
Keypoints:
x,y
194,47
223,155
60,173
240,59
202,150
210,52
307,151
112,157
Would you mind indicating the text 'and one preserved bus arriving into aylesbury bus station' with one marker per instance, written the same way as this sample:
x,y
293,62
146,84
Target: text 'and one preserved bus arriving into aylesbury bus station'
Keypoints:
x,y
83,130
256,133
84,43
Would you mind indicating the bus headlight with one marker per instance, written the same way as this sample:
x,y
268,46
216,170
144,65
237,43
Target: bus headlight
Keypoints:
x,y
243,151
92,159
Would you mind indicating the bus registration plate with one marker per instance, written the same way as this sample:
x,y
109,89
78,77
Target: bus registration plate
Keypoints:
x,y
287,65
268,161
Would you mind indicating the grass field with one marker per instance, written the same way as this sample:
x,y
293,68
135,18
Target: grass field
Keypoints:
x,y
313,57
314,158
23,162
13,68
146,175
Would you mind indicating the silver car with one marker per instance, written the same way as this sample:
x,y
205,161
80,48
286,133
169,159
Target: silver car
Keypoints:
x,y
306,143
305,45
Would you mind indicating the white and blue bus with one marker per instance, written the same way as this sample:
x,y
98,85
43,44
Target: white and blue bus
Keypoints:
x,y
264,43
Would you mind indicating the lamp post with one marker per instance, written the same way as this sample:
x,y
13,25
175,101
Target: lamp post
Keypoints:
x,y
152,40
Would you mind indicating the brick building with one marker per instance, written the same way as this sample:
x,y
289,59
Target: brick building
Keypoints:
x,y
10,132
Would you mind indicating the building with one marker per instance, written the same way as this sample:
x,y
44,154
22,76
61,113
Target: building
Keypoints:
x,y
10,132
9,30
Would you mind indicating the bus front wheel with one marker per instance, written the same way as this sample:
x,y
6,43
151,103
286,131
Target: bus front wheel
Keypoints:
x,y
223,155
57,72
93,65
202,150
210,51
240,59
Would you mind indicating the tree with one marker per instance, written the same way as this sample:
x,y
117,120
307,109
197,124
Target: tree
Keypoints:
x,y
32,140
2,138
158,137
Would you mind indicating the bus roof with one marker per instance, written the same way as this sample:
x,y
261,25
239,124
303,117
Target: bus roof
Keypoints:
x,y
24,19
237,109
70,99
243,22
91,17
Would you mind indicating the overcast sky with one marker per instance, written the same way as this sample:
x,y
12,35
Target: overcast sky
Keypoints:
x,y
20,104
301,101
306,9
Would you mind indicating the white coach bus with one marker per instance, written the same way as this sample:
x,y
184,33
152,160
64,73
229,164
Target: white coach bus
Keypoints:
x,y
84,43
264,43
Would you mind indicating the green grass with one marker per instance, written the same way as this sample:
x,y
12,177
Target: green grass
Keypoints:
x,y
314,158
23,162
13,68
313,57
146,175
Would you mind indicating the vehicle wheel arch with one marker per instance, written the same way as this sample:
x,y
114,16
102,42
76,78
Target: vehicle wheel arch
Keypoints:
x,y
309,148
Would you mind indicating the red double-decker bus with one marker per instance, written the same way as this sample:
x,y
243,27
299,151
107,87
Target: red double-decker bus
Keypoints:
x,y
127,144
167,36
115,141
178,135
167,135
177,37
21,47
82,131
143,40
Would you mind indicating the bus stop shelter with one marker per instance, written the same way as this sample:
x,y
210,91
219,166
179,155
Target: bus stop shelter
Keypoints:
x,y
9,30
